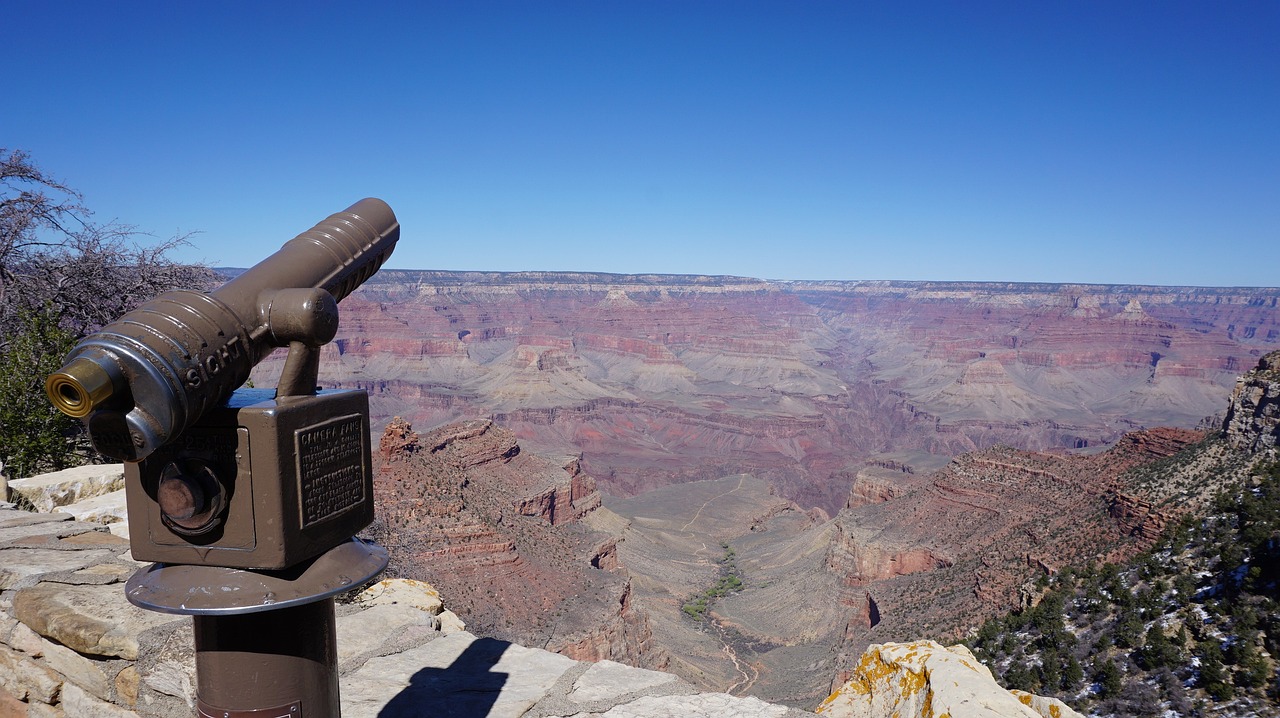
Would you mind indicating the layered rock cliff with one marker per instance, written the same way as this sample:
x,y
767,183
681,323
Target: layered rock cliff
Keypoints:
x,y
500,530
1253,416
662,379
965,542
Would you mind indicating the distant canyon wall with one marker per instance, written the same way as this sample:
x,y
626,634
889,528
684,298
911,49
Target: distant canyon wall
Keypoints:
x,y
657,379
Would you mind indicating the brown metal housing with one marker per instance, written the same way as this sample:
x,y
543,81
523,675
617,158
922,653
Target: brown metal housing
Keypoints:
x,y
294,474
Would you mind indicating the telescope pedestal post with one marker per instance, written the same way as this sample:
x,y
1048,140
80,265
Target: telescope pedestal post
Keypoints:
x,y
266,641
276,664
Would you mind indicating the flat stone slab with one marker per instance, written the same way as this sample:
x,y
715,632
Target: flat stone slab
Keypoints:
x,y
31,533
95,539
47,492
700,705
609,681
100,574
11,518
106,508
380,626
21,567
97,620
75,667
455,675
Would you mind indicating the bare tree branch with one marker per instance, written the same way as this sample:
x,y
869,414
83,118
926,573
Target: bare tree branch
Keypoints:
x,y
54,259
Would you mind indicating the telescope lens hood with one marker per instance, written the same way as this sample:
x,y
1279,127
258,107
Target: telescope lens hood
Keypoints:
x,y
79,388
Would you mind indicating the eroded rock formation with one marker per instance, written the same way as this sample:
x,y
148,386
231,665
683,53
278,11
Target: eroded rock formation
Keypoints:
x,y
500,530
1253,416
932,554
924,680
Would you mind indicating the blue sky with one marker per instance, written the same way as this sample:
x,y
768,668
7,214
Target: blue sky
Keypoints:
x,y
1108,142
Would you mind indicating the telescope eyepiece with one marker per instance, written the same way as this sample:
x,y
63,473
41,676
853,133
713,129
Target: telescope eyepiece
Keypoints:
x,y
79,388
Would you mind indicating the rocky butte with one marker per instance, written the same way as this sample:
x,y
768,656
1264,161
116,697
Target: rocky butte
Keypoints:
x,y
502,531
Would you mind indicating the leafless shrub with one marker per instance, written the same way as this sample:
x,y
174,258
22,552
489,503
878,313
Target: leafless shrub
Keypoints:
x,y
55,260
61,277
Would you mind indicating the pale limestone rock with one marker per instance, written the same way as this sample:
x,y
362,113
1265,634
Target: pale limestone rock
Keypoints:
x,y
90,619
103,573
1044,706
71,665
12,519
700,705
450,623
457,674
41,710
106,508
25,679
7,625
78,704
610,680
167,670
11,707
405,591
47,492
376,626
1253,415
923,678
21,567
174,679
15,527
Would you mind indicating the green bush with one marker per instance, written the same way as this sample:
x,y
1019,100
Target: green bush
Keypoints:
x,y
1109,678
33,435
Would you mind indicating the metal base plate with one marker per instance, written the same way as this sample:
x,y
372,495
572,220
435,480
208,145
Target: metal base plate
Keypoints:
x,y
218,591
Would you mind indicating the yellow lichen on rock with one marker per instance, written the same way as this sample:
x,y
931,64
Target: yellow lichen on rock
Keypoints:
x,y
1047,707
924,679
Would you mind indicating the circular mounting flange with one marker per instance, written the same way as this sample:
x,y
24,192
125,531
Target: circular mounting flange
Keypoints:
x,y
220,591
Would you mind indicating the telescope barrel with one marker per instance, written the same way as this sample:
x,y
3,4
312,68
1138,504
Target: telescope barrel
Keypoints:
x,y
146,377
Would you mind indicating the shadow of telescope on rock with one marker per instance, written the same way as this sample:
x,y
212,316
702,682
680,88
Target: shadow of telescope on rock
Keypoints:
x,y
467,688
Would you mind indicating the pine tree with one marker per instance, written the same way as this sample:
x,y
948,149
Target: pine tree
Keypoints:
x,y
1072,674
1110,678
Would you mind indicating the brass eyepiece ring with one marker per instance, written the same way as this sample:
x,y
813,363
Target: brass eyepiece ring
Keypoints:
x,y
79,388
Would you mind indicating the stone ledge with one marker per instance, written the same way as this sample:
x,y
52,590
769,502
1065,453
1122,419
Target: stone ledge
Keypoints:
x,y
47,492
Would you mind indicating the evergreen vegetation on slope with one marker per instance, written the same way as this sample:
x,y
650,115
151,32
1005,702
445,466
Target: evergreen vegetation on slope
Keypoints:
x,y
1189,628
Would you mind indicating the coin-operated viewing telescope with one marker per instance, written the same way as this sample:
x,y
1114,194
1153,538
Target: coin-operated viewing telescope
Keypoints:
x,y
220,479
246,481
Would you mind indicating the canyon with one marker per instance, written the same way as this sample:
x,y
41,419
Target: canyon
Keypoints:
x,y
658,379
883,461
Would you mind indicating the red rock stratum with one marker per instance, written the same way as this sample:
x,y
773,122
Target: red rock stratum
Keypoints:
x,y
663,379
